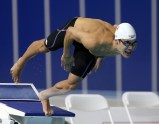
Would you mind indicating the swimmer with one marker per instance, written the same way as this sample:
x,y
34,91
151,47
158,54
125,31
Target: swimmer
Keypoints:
x,y
93,40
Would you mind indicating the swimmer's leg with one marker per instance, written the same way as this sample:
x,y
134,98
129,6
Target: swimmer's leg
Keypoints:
x,y
59,88
35,48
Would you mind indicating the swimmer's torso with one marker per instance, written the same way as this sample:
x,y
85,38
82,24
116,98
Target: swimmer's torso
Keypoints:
x,y
102,32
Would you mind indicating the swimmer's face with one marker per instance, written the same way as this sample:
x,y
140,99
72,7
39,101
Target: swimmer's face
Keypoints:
x,y
127,47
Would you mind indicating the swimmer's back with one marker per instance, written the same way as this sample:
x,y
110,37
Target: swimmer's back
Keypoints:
x,y
91,25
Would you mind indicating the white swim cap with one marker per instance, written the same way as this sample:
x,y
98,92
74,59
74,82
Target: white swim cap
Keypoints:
x,y
125,31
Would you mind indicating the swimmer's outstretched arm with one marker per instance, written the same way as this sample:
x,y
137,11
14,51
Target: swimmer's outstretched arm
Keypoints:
x,y
35,48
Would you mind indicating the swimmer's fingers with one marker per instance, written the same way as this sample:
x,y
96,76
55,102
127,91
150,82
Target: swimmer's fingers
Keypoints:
x,y
67,67
95,68
66,62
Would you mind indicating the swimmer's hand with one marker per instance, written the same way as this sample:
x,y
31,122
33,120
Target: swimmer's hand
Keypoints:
x,y
97,65
66,62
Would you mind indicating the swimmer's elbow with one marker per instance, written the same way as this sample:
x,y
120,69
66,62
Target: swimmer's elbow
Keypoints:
x,y
81,37
70,28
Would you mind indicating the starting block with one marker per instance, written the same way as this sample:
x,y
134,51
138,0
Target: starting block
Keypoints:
x,y
20,104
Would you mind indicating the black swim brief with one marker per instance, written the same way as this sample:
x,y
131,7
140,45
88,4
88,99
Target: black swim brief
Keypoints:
x,y
84,60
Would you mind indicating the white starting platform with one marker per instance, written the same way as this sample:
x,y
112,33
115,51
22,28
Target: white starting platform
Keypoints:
x,y
20,104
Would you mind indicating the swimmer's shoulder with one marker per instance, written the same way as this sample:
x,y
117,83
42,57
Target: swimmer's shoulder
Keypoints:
x,y
81,19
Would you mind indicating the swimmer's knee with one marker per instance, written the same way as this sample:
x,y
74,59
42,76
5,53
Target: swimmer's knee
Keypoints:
x,y
73,87
61,86
40,45
69,84
66,85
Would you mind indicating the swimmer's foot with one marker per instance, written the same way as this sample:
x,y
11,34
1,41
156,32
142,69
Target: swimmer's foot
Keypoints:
x,y
16,70
45,103
46,107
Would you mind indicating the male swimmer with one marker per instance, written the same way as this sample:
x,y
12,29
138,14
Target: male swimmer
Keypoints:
x,y
93,40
